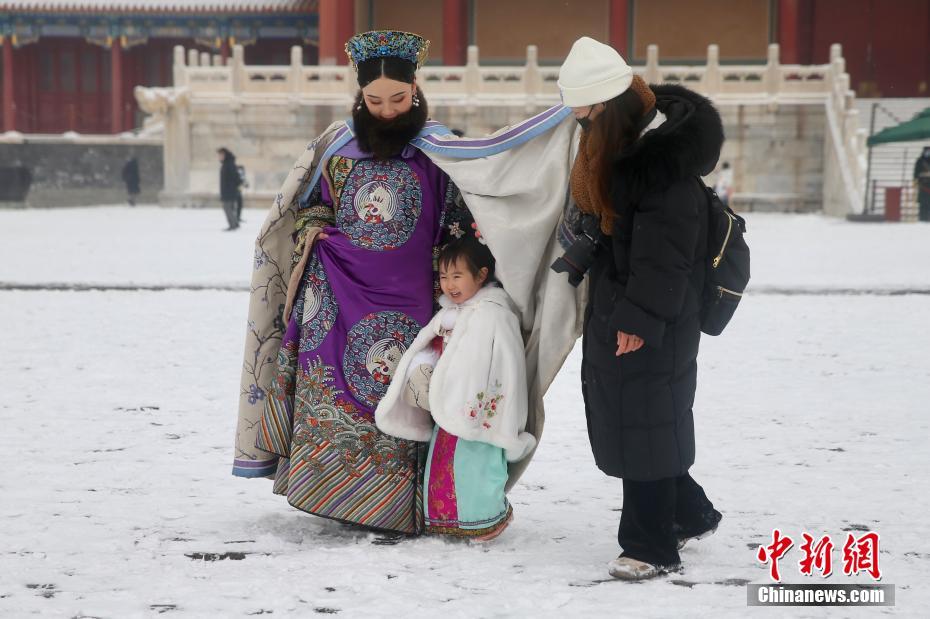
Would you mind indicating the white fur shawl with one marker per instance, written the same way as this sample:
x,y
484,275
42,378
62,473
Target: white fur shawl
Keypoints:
x,y
478,391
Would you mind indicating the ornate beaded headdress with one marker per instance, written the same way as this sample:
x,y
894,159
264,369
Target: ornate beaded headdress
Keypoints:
x,y
387,44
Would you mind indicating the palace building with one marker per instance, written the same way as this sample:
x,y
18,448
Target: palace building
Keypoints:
x,y
71,65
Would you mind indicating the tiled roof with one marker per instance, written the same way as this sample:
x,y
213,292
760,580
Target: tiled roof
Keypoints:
x,y
151,6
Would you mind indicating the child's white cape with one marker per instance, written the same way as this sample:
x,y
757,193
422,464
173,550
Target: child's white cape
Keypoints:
x,y
478,391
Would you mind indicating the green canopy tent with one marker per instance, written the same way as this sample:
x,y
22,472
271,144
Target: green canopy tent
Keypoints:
x,y
918,128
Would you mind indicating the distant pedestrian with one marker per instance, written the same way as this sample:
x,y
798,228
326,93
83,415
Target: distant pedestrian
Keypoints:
x,y
724,185
229,187
130,176
922,184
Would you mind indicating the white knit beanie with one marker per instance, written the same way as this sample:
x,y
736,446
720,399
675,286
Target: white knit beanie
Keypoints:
x,y
593,73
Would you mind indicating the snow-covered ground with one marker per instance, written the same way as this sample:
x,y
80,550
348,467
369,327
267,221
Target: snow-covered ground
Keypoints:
x,y
148,246
119,410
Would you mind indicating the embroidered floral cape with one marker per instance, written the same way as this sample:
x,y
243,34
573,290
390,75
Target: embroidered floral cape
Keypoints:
x,y
478,390
277,249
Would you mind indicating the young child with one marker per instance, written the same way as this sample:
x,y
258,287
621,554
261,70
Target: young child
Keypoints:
x,y
466,372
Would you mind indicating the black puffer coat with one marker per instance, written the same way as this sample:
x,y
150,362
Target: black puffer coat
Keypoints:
x,y
229,178
647,280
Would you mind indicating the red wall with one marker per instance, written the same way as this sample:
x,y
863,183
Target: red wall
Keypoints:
x,y
278,52
63,83
886,43
61,86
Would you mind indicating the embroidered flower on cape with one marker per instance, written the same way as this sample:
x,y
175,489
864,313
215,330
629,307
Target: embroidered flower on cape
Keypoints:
x,y
483,408
261,258
255,393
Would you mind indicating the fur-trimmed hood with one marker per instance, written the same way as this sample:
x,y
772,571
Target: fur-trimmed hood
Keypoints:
x,y
687,144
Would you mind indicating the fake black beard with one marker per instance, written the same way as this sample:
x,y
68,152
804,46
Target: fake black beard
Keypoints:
x,y
386,138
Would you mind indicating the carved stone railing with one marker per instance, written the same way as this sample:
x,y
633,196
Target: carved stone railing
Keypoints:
x,y
202,73
204,78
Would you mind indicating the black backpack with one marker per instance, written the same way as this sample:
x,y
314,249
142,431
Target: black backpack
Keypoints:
x,y
727,264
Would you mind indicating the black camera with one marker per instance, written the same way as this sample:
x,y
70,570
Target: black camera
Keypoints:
x,y
578,258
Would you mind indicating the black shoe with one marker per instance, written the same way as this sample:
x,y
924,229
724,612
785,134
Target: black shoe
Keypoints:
x,y
707,528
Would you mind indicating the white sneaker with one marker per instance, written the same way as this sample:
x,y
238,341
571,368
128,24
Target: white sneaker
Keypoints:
x,y
628,568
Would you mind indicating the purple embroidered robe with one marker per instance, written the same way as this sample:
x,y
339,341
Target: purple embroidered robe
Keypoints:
x,y
365,293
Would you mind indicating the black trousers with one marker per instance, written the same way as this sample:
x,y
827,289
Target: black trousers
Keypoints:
x,y
923,211
229,209
657,513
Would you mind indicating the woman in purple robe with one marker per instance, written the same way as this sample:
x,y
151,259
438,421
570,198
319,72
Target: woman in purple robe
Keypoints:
x,y
364,284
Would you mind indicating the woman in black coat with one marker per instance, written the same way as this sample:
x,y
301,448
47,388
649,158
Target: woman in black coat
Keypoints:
x,y
642,324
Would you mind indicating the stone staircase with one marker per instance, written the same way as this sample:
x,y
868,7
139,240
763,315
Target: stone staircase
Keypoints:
x,y
892,164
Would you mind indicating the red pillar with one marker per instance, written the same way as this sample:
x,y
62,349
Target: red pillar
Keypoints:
x,y
346,27
9,106
224,50
924,87
328,21
132,75
454,32
116,86
789,39
337,25
620,26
